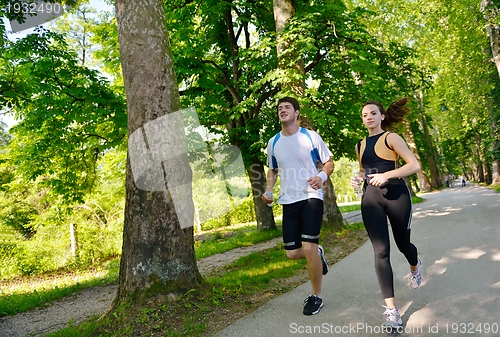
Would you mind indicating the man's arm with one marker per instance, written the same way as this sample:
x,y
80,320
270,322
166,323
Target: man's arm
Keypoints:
x,y
272,176
318,180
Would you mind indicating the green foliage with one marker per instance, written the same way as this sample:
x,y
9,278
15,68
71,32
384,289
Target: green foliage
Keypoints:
x,y
231,238
98,221
69,115
77,28
239,78
17,215
243,213
106,37
458,92
341,176
8,252
254,271
23,296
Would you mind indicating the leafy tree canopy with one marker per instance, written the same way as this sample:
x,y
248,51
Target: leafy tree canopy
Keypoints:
x,y
68,114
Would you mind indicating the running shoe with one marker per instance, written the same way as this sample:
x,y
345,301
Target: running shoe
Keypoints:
x,y
416,277
312,304
392,318
321,253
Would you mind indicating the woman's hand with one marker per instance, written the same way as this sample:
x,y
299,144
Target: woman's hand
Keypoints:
x,y
356,181
378,179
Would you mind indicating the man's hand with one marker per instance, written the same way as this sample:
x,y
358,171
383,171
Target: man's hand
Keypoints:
x,y
267,197
315,182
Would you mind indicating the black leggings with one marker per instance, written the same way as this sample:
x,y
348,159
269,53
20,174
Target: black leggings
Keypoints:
x,y
391,201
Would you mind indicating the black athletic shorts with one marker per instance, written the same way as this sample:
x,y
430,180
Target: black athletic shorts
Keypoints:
x,y
302,222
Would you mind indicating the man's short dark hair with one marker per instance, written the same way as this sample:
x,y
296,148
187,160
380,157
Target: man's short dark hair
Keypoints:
x,y
290,100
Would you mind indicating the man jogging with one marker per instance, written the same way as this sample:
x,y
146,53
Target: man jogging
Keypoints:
x,y
293,154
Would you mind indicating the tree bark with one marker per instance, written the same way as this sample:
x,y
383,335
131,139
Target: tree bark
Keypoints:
x,y
263,213
283,11
332,217
157,252
424,184
490,13
431,157
481,160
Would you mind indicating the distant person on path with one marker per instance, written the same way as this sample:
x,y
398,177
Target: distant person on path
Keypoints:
x,y
446,181
385,194
462,178
293,154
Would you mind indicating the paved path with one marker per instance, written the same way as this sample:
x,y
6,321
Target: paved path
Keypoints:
x,y
457,232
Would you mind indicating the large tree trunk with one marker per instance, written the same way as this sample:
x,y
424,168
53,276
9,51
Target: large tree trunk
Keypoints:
x,y
481,160
284,10
408,183
424,184
158,245
495,175
490,12
263,213
431,157
332,217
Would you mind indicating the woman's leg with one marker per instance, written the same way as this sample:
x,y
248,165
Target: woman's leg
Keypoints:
x,y
399,212
375,221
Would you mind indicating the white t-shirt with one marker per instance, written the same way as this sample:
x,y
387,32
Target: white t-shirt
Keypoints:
x,y
296,165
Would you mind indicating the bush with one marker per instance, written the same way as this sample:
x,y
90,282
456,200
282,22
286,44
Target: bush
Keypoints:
x,y
37,256
243,213
98,242
8,261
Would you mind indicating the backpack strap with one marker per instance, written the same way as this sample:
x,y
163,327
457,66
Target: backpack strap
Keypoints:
x,y
273,158
314,152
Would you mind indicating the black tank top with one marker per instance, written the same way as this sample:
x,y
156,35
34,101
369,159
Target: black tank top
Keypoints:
x,y
375,154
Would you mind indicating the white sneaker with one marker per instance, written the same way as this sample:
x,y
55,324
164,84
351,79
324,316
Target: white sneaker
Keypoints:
x,y
392,318
416,277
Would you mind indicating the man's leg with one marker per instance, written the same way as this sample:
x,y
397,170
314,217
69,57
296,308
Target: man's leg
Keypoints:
x,y
311,219
314,266
309,251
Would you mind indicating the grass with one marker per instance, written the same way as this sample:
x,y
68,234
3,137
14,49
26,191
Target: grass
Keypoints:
x,y
227,239
25,293
244,284
228,294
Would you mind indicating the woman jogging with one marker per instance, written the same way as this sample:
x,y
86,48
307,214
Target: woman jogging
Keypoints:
x,y
385,195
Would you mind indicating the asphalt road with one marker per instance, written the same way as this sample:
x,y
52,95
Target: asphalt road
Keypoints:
x,y
457,233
